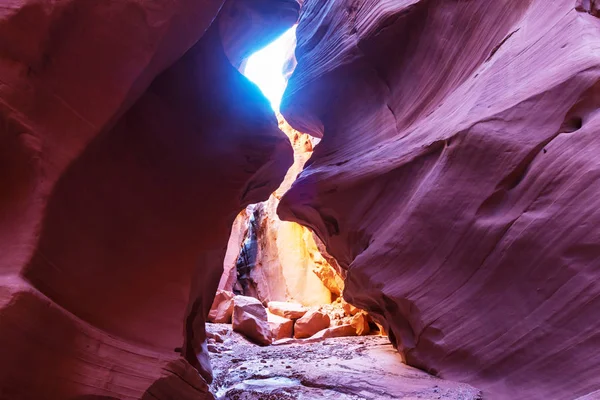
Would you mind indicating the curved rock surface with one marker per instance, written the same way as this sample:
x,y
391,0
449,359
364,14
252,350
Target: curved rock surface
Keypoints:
x,y
457,181
130,143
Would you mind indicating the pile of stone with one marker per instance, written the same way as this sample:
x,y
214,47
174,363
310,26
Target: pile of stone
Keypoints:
x,y
281,321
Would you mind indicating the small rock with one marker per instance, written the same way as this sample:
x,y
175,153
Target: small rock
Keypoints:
x,y
215,336
213,349
311,323
281,328
287,310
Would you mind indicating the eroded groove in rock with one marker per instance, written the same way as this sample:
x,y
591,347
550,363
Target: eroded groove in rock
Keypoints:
x,y
460,168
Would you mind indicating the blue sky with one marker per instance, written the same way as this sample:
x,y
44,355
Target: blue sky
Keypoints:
x,y
264,67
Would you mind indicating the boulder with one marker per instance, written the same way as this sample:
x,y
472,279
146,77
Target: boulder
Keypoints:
x,y
312,322
222,307
250,319
287,310
281,328
336,331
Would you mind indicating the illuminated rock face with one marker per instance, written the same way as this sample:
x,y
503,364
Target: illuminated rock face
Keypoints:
x,y
250,319
125,132
457,181
280,261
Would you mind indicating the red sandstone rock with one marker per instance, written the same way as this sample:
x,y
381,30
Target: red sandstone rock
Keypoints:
x,y
457,181
92,363
335,331
127,162
222,308
281,328
238,233
250,319
360,322
287,310
349,309
311,323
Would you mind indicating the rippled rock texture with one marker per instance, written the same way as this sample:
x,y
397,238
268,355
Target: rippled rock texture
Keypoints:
x,y
457,181
128,144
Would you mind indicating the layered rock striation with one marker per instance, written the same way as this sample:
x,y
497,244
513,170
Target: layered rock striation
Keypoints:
x,y
130,142
456,182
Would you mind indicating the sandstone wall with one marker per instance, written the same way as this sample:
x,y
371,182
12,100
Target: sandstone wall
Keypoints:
x,y
129,143
457,181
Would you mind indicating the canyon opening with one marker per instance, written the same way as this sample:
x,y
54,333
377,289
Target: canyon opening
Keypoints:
x,y
312,199
282,290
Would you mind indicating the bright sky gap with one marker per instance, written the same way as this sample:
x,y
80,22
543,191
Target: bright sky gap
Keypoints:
x,y
265,67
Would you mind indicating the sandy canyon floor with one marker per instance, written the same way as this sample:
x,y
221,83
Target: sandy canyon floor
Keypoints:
x,y
348,368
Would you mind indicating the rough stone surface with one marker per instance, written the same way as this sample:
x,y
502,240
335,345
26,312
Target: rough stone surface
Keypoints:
x,y
335,331
350,368
287,310
457,181
349,309
116,369
281,328
589,6
250,319
239,230
360,323
128,144
222,308
311,323
326,272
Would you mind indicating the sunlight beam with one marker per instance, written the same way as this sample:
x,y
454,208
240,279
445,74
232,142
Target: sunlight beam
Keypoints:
x,y
265,67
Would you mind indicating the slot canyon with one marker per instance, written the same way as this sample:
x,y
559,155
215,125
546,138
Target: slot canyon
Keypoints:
x,y
419,218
